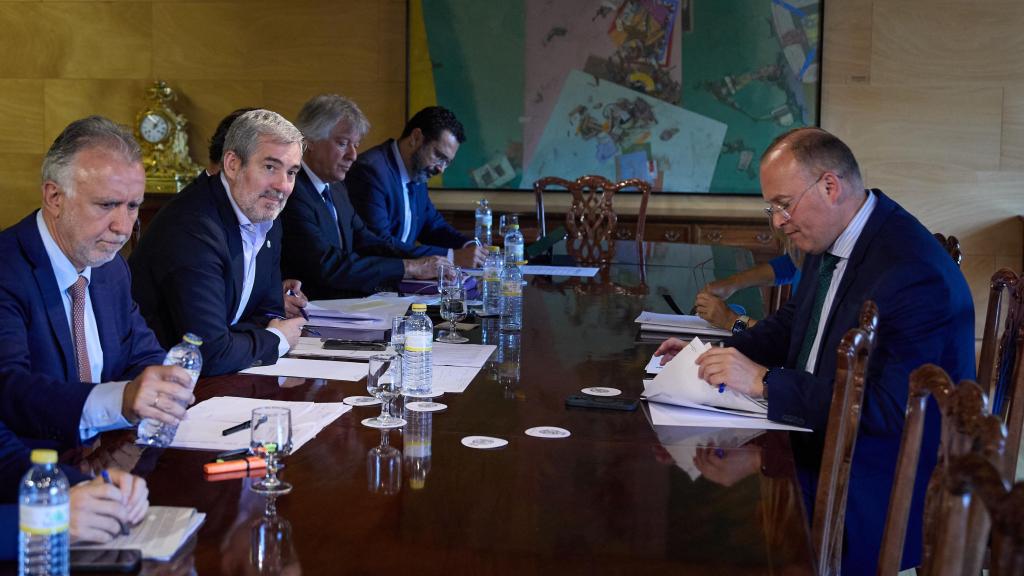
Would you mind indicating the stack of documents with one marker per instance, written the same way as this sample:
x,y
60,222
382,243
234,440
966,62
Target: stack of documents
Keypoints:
x,y
201,429
370,313
678,324
159,535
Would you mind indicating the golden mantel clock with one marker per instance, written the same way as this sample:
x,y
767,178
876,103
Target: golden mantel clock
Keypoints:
x,y
161,133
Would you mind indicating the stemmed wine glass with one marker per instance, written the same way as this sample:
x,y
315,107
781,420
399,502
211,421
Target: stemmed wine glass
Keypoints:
x,y
384,382
270,543
384,467
271,438
448,275
453,309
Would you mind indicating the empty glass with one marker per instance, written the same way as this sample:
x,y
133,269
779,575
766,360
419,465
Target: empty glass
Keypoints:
x,y
384,382
384,467
398,334
453,309
271,438
448,275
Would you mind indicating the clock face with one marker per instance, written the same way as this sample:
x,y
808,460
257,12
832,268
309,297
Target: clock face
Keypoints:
x,y
154,128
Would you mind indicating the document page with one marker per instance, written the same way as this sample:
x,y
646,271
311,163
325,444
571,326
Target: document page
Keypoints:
x,y
578,271
308,368
679,324
159,535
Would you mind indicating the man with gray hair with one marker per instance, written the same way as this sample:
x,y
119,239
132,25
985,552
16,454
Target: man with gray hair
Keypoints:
x,y
326,245
210,262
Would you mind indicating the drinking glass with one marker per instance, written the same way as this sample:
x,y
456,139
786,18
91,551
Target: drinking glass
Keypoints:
x,y
384,382
505,223
398,334
271,438
384,467
448,275
453,309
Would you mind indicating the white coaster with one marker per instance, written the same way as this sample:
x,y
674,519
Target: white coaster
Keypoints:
x,y
548,432
425,406
433,394
374,423
599,391
361,401
483,442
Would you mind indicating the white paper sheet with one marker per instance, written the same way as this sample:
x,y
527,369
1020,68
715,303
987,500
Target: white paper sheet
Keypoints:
x,y
678,383
582,272
654,365
668,415
370,313
678,324
453,379
306,368
682,442
159,535
471,355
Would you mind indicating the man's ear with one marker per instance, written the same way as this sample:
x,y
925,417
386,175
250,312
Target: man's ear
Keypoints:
x,y
833,187
416,137
53,198
231,164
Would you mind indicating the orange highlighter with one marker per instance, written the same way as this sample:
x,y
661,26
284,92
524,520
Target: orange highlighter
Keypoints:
x,y
234,465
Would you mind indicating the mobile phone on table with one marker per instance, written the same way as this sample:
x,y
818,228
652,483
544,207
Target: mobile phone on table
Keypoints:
x,y
105,560
605,402
334,344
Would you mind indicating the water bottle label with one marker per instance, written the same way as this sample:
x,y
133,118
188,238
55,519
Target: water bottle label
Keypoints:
x,y
419,342
44,520
513,288
491,275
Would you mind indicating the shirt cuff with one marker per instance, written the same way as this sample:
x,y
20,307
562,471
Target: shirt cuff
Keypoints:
x,y
451,255
102,410
282,344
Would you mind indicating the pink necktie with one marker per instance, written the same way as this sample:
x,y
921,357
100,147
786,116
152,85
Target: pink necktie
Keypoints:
x,y
77,291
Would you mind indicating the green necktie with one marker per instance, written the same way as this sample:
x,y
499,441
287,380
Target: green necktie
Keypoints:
x,y
828,265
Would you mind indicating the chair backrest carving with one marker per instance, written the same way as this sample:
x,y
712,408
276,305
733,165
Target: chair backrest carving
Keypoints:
x,y
952,246
840,438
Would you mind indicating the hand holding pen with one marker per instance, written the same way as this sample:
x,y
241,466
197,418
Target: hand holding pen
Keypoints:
x,y
294,300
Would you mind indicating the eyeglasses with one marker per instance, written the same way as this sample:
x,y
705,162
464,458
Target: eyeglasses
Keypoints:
x,y
438,158
786,210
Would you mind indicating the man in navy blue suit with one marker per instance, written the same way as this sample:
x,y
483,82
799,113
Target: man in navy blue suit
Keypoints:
x,y
210,262
79,357
388,188
861,246
326,245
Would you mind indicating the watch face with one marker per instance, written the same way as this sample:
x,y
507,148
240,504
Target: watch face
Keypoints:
x,y
154,128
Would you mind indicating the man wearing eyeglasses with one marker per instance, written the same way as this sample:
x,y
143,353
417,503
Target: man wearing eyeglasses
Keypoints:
x,y
388,188
861,245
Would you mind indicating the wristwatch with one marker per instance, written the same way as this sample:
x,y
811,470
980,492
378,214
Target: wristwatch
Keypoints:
x,y
741,324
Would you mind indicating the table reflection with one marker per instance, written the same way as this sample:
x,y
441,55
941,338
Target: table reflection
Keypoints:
x,y
384,467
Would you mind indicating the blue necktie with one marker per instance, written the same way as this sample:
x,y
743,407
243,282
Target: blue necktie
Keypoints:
x,y
326,195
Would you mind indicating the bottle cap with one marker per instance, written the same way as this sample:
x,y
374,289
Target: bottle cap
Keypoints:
x,y
515,226
192,339
44,456
493,249
521,263
419,307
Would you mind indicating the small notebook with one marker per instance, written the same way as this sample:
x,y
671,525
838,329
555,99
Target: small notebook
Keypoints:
x,y
159,535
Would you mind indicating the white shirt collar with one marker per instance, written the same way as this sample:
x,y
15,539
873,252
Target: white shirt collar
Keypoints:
x,y
844,244
63,270
401,164
318,184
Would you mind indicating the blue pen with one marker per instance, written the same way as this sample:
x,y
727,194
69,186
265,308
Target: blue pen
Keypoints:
x,y
721,388
125,530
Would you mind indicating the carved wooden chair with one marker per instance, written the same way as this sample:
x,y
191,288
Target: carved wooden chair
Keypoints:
x,y
999,367
840,438
966,427
952,246
591,222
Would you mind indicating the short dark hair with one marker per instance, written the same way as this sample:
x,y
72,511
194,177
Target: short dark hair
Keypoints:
x,y
433,121
819,151
217,141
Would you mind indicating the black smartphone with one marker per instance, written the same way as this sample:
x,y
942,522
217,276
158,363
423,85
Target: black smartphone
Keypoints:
x,y
105,560
608,403
334,344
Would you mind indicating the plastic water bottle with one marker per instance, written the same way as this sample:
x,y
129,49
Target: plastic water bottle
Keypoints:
x,y
514,246
44,514
482,230
492,282
185,354
508,363
511,297
417,361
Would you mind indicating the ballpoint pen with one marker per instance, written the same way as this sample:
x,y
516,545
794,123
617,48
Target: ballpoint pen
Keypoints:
x,y
125,528
305,315
310,331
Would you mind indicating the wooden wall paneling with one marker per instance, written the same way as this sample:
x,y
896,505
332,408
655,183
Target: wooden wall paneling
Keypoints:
x,y
391,43
206,102
847,50
383,103
1012,139
69,100
21,116
20,192
944,42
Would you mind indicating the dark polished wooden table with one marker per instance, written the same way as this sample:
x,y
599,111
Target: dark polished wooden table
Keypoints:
x,y
610,499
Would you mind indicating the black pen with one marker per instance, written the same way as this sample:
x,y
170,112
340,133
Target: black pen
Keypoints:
x,y
236,428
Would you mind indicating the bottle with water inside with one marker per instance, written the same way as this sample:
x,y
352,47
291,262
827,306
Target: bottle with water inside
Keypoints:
x,y
185,354
482,230
492,282
44,514
514,246
417,361
511,297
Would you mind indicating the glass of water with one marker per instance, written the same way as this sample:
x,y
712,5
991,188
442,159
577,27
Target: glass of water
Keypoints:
x,y
448,275
398,334
271,438
384,382
453,309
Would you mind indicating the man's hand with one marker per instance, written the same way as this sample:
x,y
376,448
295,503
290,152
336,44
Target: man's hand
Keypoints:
x,y
730,367
424,268
714,310
97,511
159,392
470,256
728,466
294,299
291,329
720,288
669,348
134,494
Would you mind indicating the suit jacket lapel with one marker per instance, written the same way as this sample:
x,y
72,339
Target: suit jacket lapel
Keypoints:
x,y
339,194
100,294
234,239
28,236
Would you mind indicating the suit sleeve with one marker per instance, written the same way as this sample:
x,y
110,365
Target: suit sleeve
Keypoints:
x,y
437,231
138,341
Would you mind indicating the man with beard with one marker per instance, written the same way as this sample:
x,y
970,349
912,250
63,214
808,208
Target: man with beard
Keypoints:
x,y
388,188
210,261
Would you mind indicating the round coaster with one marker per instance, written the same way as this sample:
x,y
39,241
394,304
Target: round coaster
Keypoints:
x,y
425,406
433,394
600,391
361,401
548,432
483,442
375,423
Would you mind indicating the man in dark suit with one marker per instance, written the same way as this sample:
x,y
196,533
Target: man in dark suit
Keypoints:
x,y
326,245
209,263
861,246
77,355
388,188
